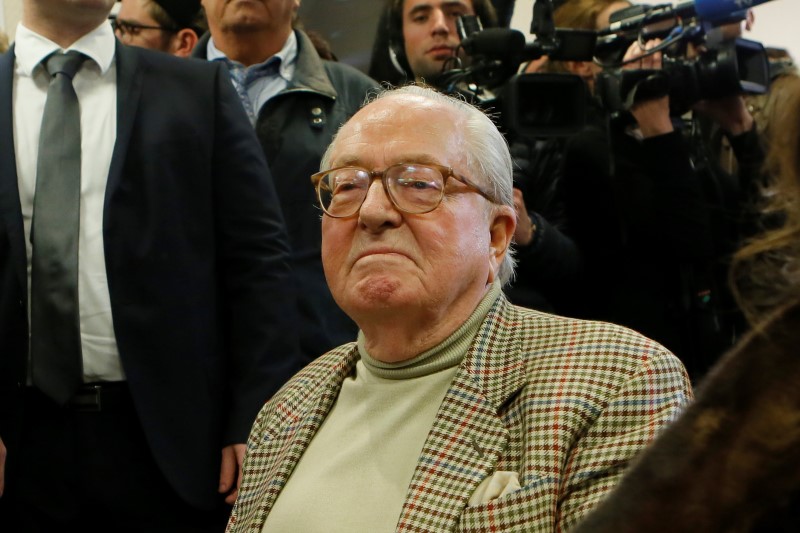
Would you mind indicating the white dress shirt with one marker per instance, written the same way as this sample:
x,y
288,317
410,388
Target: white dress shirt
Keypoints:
x,y
96,87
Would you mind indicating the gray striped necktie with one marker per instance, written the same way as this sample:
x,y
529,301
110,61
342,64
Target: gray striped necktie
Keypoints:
x,y
56,361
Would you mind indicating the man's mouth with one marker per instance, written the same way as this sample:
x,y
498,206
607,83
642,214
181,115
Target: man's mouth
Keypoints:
x,y
441,52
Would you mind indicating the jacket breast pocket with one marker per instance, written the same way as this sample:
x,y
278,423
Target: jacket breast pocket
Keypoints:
x,y
530,509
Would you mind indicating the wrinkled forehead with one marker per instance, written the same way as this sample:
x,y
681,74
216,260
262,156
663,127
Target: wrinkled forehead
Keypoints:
x,y
397,129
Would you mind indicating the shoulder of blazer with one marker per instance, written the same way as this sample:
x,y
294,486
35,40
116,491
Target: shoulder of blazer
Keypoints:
x,y
159,62
533,346
323,374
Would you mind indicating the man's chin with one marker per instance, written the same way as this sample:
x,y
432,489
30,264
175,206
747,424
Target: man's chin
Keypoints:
x,y
378,291
375,295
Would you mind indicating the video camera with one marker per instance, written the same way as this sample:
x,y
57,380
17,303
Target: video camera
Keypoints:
x,y
699,60
532,105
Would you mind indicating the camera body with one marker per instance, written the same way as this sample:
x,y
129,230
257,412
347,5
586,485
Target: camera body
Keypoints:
x,y
532,105
699,61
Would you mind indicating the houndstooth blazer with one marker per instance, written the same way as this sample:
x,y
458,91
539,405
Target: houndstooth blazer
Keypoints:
x,y
564,403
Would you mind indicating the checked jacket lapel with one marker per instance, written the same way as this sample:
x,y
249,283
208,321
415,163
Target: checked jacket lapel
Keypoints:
x,y
467,440
284,440
468,436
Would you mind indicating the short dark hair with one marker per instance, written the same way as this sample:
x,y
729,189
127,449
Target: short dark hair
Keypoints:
x,y
389,48
179,15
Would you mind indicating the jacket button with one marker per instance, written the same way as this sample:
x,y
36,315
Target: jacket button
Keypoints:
x,y
316,111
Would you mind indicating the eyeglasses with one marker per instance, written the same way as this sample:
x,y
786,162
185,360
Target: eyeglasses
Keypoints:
x,y
411,187
132,29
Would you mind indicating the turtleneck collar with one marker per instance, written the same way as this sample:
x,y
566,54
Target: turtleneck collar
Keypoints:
x,y
447,354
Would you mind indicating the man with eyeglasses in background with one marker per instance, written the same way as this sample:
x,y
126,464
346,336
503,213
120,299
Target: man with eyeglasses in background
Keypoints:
x,y
454,409
171,26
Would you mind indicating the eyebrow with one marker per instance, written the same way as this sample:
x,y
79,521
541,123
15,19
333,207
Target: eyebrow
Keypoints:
x,y
421,158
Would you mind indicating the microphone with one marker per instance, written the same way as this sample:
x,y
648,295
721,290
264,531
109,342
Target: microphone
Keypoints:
x,y
495,42
724,10
713,11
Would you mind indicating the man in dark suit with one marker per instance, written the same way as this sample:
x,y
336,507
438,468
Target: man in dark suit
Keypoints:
x,y
184,316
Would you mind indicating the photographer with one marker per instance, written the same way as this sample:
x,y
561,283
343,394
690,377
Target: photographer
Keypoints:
x,y
645,212
415,38
418,40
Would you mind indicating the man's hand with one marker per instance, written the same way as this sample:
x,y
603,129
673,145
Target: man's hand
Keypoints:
x,y
2,466
652,115
730,113
230,475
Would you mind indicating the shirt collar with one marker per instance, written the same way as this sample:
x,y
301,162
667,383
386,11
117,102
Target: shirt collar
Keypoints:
x,y
30,48
287,56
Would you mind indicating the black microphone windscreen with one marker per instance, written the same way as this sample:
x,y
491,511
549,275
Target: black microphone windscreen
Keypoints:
x,y
495,42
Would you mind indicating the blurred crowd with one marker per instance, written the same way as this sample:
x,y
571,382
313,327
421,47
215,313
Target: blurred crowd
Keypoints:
x,y
631,218
632,211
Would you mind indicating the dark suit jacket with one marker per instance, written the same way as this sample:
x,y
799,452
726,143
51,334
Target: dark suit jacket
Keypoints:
x,y
196,254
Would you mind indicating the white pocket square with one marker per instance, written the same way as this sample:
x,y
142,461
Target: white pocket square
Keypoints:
x,y
495,486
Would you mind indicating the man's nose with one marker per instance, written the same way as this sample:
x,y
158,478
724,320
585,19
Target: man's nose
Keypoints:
x,y
439,22
378,210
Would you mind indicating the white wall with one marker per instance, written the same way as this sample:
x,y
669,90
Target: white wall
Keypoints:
x,y
777,22
10,14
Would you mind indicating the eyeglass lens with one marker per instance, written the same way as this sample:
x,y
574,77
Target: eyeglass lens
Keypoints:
x,y
132,28
412,188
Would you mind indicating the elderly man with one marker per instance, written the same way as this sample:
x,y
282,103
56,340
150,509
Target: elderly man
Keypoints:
x,y
454,410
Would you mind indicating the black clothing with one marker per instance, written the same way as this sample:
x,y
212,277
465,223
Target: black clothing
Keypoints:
x,y
123,491
657,221
295,127
637,212
196,256
551,262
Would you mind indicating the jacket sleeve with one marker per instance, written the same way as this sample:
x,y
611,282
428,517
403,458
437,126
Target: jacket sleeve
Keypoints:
x,y
639,410
259,317
730,462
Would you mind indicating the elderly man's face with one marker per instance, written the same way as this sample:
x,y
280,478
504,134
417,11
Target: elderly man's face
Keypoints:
x,y
250,15
429,33
382,260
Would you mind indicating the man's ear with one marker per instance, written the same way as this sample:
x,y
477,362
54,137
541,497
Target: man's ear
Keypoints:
x,y
502,223
183,42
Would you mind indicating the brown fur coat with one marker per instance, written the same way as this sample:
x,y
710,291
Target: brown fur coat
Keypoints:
x,y
731,462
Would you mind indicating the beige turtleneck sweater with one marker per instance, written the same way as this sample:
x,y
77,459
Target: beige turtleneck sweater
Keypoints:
x,y
355,473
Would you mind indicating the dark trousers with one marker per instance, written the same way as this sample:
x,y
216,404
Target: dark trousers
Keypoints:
x,y
88,467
